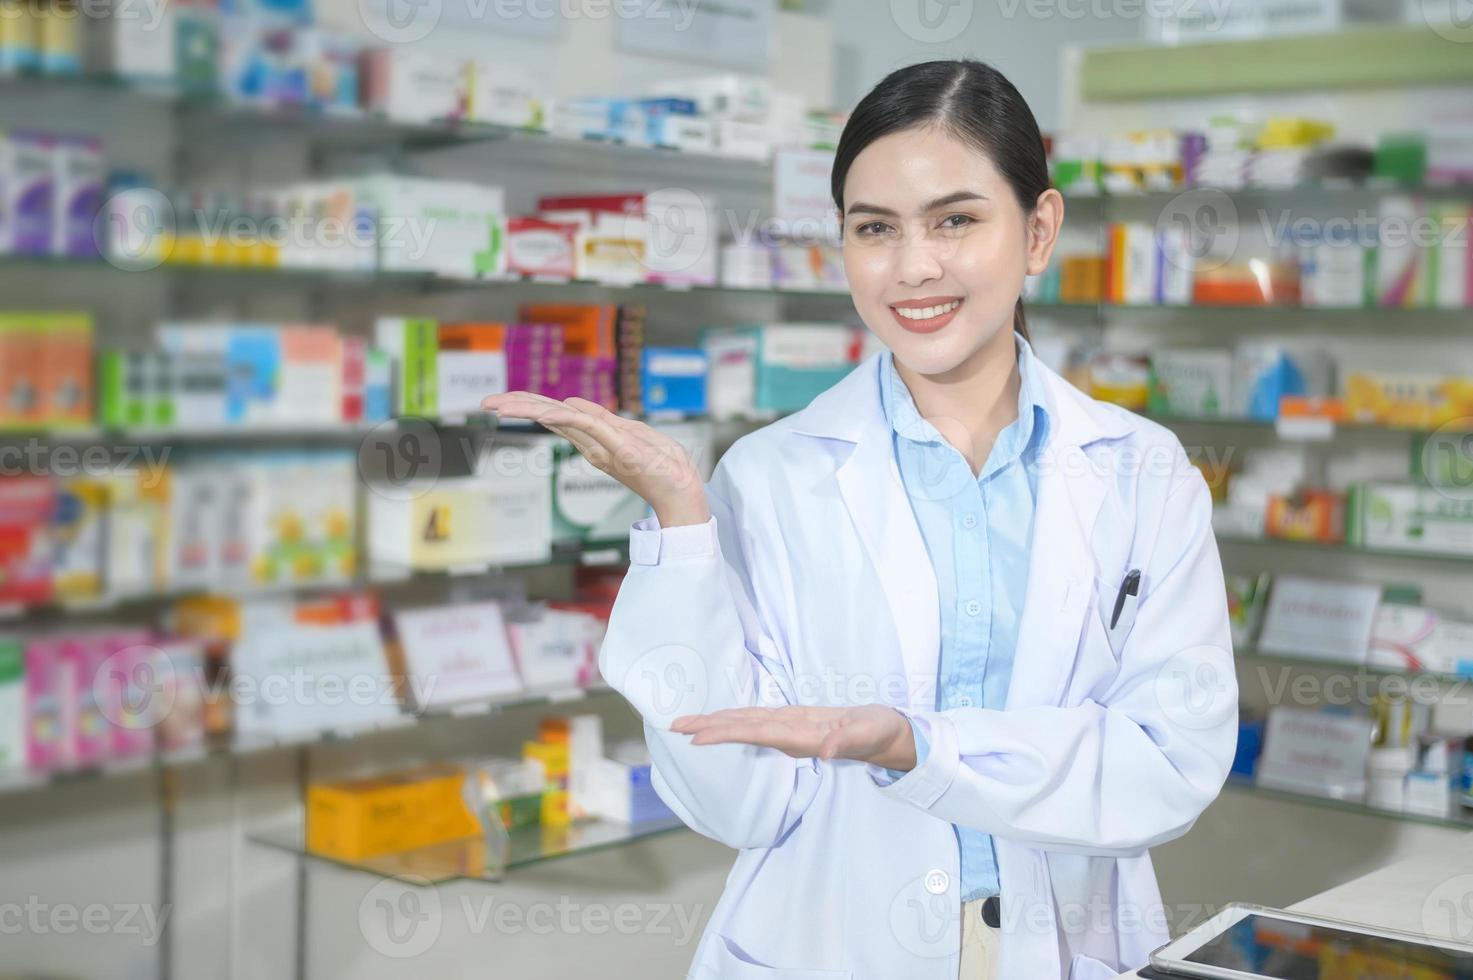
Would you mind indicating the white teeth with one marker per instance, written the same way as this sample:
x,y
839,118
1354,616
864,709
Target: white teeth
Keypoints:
x,y
928,312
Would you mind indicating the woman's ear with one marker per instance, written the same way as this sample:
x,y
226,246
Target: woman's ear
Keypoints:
x,y
1043,229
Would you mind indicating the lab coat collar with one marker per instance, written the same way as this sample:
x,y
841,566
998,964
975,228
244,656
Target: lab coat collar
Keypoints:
x,y
851,410
1061,566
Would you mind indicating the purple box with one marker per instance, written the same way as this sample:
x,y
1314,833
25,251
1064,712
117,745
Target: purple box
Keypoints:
x,y
30,193
78,179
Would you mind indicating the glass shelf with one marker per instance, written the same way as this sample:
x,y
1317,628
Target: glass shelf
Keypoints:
x,y
469,859
226,748
1274,310
1326,547
1456,818
1248,652
1271,425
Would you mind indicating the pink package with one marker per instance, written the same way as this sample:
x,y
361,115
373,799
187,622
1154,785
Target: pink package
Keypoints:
x,y
137,681
93,695
51,710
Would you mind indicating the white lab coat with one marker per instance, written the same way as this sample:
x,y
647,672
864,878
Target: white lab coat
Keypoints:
x,y
812,585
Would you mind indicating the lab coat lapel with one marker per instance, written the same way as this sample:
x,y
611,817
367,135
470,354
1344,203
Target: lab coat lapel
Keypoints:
x,y
869,482
1060,575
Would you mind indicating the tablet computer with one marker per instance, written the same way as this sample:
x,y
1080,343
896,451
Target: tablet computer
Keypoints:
x,y
1251,942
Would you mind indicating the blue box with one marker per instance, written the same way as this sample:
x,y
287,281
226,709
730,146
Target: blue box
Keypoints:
x,y
674,379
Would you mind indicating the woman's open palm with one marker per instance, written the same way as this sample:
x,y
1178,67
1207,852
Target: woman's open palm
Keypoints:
x,y
645,460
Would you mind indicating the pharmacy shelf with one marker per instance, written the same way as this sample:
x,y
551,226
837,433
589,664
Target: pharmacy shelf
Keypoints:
x,y
1247,652
1332,548
375,575
228,748
1309,192
469,860
1452,316
1324,432
1368,57
1457,819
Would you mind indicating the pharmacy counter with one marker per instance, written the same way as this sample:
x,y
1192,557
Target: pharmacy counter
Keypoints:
x,y
1431,894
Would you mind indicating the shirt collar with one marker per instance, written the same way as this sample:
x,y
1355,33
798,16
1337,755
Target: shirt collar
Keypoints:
x,y
1028,431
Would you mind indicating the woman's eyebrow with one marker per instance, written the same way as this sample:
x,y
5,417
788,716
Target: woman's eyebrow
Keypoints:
x,y
946,200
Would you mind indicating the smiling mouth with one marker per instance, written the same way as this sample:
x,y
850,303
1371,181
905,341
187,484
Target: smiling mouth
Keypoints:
x,y
923,316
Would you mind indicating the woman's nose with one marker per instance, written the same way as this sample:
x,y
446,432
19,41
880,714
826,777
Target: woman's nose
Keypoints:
x,y
920,260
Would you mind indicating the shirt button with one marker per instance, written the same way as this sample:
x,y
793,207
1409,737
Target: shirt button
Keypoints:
x,y
970,521
973,608
964,701
937,881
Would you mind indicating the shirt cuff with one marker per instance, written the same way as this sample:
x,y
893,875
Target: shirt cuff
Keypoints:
x,y
650,544
923,745
935,769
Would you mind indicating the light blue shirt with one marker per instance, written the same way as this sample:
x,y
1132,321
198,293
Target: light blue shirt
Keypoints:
x,y
977,532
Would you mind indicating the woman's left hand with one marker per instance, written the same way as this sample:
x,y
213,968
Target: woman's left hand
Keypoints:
x,y
869,733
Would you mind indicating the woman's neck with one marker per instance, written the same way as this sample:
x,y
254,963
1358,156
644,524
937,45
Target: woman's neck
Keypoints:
x,y
974,401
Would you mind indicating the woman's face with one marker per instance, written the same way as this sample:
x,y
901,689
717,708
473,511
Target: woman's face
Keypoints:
x,y
936,246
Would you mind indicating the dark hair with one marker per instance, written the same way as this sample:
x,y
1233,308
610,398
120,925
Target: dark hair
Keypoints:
x,y
970,100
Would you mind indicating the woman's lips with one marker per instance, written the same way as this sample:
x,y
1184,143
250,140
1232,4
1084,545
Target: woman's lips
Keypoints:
x,y
931,324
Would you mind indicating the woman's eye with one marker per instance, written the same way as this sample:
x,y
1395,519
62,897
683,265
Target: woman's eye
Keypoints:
x,y
871,228
953,221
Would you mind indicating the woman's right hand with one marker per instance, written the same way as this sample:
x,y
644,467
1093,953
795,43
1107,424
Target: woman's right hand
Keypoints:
x,y
646,461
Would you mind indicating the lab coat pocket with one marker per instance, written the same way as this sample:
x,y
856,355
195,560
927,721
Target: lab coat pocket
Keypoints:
x,y
732,964
1088,968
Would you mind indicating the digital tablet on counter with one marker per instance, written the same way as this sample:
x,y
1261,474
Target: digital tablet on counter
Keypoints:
x,y
1251,942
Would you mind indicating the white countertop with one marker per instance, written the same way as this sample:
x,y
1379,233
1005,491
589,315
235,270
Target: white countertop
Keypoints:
x,y
1431,894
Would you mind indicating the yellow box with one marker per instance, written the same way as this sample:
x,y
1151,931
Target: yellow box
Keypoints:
x,y
402,811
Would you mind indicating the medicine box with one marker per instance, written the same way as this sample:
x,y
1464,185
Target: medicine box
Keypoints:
x,y
1190,382
12,704
674,380
1406,517
404,811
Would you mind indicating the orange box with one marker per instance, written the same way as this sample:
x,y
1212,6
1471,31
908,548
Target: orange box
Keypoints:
x,y
1315,515
403,811
66,368
588,329
473,336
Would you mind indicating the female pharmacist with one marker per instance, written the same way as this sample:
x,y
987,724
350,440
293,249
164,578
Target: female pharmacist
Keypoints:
x,y
944,653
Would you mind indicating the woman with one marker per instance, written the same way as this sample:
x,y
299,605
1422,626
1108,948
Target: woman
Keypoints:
x,y
945,652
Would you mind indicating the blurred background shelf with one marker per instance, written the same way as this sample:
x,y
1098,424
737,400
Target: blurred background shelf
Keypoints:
x,y
468,860
1458,819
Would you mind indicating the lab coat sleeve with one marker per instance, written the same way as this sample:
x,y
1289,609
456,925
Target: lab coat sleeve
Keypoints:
x,y
689,634
1122,773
